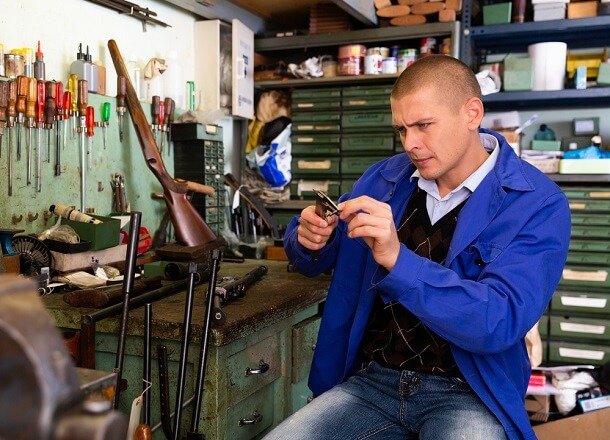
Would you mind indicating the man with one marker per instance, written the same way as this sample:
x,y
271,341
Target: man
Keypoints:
x,y
443,257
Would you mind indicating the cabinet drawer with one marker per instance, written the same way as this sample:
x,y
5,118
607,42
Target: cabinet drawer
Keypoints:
x,y
304,336
317,117
316,139
590,219
589,204
589,258
325,127
543,326
575,353
585,276
581,302
586,192
283,217
358,91
300,395
353,102
586,231
250,417
254,367
370,119
318,150
316,105
303,189
357,165
358,143
315,94
316,167
563,327
589,246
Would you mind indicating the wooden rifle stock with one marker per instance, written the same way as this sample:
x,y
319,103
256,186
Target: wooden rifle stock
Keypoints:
x,y
191,229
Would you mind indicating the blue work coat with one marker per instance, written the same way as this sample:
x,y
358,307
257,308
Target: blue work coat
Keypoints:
x,y
504,262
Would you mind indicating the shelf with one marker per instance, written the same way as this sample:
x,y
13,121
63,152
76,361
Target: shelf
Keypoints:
x,y
577,33
373,35
593,97
580,178
337,80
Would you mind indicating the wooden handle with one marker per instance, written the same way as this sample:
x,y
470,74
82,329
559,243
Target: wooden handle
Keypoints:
x,y
142,432
120,92
393,11
83,97
427,8
199,188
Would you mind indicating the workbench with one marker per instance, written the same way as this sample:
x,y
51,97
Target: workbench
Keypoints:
x,y
276,323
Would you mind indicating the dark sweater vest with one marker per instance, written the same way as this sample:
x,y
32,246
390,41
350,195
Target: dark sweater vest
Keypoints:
x,y
395,337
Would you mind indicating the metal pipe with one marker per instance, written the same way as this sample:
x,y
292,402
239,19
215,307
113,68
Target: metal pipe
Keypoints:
x,y
166,421
147,360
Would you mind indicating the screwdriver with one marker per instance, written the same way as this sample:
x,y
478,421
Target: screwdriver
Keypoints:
x,y
82,97
121,92
3,104
49,117
67,107
22,91
161,117
39,125
73,88
90,121
154,111
11,113
169,119
105,121
30,112
59,114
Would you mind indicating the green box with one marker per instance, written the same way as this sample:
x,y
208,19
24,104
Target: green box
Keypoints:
x,y
518,74
102,236
500,13
603,74
546,145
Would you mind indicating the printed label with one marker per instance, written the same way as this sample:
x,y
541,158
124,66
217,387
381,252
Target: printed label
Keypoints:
x,y
598,303
581,354
582,328
599,276
317,165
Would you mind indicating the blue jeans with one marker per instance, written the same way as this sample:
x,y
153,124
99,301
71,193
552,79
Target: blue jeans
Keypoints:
x,y
381,403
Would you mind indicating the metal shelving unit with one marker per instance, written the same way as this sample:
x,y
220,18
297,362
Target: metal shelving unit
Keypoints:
x,y
592,97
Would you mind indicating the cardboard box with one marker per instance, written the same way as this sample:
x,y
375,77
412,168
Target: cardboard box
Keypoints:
x,y
499,13
591,426
582,9
518,74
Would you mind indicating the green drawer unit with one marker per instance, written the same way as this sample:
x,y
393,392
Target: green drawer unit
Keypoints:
x,y
589,246
367,91
591,329
300,139
304,189
315,150
375,143
577,353
586,192
365,120
590,232
355,102
309,117
579,219
600,205
315,94
589,258
581,303
585,277
324,168
305,127
543,326
355,166
314,105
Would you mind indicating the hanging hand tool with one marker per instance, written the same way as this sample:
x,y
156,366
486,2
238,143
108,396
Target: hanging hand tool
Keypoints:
x,y
3,105
161,118
121,93
30,112
39,125
90,121
169,116
59,115
105,121
73,88
82,97
11,114
22,92
49,116
154,111
66,112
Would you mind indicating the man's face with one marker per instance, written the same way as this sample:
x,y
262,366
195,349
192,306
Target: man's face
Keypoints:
x,y
435,136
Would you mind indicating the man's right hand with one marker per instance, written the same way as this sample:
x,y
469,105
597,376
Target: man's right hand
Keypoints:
x,y
314,231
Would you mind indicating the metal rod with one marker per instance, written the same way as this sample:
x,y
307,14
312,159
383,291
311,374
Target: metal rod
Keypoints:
x,y
147,360
128,277
205,337
83,172
164,404
186,332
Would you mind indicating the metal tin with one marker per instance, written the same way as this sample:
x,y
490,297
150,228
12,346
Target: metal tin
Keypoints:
x,y
13,65
373,64
389,65
406,57
351,59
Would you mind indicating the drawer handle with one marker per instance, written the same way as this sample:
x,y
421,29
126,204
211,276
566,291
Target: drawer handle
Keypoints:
x,y
255,420
263,368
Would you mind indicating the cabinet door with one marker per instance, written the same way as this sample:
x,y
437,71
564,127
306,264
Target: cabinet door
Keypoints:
x,y
243,70
304,337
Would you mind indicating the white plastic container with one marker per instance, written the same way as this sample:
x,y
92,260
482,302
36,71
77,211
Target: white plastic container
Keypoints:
x,y
173,80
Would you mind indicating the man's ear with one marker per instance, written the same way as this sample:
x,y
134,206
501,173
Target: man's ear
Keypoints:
x,y
474,113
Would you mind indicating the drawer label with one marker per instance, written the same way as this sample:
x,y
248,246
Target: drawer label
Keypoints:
x,y
582,328
577,205
314,165
304,127
360,102
599,276
598,303
581,354
304,139
600,194
305,104
309,186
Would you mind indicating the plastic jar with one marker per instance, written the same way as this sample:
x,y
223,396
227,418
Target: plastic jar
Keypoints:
x,y
406,57
389,65
373,61
351,59
13,65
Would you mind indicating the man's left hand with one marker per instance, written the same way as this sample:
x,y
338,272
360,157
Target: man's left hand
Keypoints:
x,y
373,222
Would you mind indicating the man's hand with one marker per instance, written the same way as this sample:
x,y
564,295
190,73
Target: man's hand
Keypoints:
x,y
314,231
373,221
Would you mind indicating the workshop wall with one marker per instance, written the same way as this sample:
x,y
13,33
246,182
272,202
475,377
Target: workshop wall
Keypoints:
x,y
61,26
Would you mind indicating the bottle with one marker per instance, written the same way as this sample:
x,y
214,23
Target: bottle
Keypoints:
x,y
2,71
28,54
173,80
39,73
93,73
544,133
134,74
101,77
78,66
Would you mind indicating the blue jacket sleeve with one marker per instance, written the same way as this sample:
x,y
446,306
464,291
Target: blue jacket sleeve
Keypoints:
x,y
493,312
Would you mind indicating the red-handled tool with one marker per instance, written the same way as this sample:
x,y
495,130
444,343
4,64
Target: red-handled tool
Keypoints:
x,y
49,117
67,111
82,99
121,93
90,121
30,112
22,91
3,104
39,126
161,119
59,114
154,111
